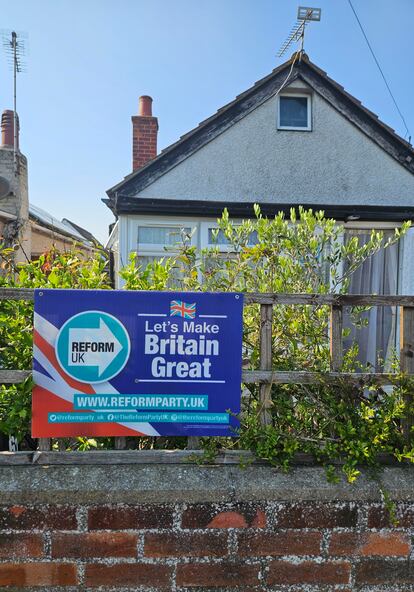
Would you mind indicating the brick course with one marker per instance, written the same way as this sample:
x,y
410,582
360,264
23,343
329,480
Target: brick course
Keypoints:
x,y
24,575
186,544
224,575
264,546
127,574
309,572
94,544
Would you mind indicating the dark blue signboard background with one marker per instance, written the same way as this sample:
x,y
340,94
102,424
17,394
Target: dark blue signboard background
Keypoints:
x,y
213,324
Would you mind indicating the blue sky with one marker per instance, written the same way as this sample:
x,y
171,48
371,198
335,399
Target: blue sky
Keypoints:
x,y
89,60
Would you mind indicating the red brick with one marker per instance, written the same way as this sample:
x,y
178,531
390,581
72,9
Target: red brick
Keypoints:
x,y
228,520
223,575
130,517
211,516
379,517
40,517
308,572
129,574
23,575
20,545
316,516
370,543
185,544
260,520
94,544
383,571
279,543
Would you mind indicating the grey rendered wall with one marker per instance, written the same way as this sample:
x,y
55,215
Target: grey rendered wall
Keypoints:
x,y
253,161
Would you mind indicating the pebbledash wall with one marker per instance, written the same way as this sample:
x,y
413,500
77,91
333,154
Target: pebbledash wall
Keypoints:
x,y
124,527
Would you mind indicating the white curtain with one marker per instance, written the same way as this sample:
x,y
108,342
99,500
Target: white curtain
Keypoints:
x,y
377,275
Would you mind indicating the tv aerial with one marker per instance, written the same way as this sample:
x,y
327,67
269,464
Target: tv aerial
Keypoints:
x,y
305,15
15,47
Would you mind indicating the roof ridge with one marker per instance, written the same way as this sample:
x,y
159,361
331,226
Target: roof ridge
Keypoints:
x,y
270,80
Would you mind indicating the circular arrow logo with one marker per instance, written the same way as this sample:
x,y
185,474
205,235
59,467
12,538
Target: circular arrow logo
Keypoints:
x,y
92,346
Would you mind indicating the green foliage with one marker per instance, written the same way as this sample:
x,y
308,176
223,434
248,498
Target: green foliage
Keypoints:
x,y
337,424
51,270
341,425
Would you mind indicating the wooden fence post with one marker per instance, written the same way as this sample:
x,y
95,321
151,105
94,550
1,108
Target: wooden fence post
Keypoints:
x,y
336,343
266,319
44,444
193,443
407,361
120,442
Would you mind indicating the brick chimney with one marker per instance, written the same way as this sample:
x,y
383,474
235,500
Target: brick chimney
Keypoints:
x,y
144,134
13,167
7,129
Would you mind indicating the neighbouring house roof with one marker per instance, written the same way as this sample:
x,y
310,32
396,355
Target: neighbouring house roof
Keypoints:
x,y
122,196
63,227
82,231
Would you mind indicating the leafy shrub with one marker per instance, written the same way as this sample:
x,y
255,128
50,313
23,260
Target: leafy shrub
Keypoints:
x,y
305,255
51,270
353,423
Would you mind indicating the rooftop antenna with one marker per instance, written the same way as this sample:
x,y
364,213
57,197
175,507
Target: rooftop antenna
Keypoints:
x,y
15,48
305,15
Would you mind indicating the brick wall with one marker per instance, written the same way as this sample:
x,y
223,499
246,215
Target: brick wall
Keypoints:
x,y
268,545
144,140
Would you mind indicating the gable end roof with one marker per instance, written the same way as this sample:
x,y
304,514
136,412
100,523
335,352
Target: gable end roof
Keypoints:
x,y
350,107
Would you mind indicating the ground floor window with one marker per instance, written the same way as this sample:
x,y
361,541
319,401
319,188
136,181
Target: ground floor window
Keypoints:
x,y
153,240
377,275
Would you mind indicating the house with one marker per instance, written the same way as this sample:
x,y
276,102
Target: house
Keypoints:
x,y
294,138
29,227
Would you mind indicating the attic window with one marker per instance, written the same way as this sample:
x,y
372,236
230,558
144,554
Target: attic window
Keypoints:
x,y
294,112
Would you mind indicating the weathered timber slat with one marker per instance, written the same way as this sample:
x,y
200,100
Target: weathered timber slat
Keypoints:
x,y
328,299
16,294
44,444
336,341
298,377
407,363
269,298
13,376
120,442
193,443
250,376
266,319
147,457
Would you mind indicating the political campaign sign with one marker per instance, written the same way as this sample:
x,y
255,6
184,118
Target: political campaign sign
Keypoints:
x,y
130,363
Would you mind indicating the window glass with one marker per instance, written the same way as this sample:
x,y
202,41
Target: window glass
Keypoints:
x,y
293,112
217,237
161,235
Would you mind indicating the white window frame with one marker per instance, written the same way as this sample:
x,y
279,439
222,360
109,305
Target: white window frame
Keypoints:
x,y
306,96
154,249
131,226
211,225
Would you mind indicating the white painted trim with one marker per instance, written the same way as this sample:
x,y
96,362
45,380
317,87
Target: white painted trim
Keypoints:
x,y
370,225
113,236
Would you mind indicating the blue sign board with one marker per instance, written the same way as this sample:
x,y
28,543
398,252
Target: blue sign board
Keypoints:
x,y
113,363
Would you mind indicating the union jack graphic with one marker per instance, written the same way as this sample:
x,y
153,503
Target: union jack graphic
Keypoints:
x,y
55,390
178,308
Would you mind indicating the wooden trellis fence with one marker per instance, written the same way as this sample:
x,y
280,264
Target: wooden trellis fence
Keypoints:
x,y
266,375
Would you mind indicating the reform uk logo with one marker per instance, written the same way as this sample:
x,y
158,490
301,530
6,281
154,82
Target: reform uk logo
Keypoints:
x,y
92,346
